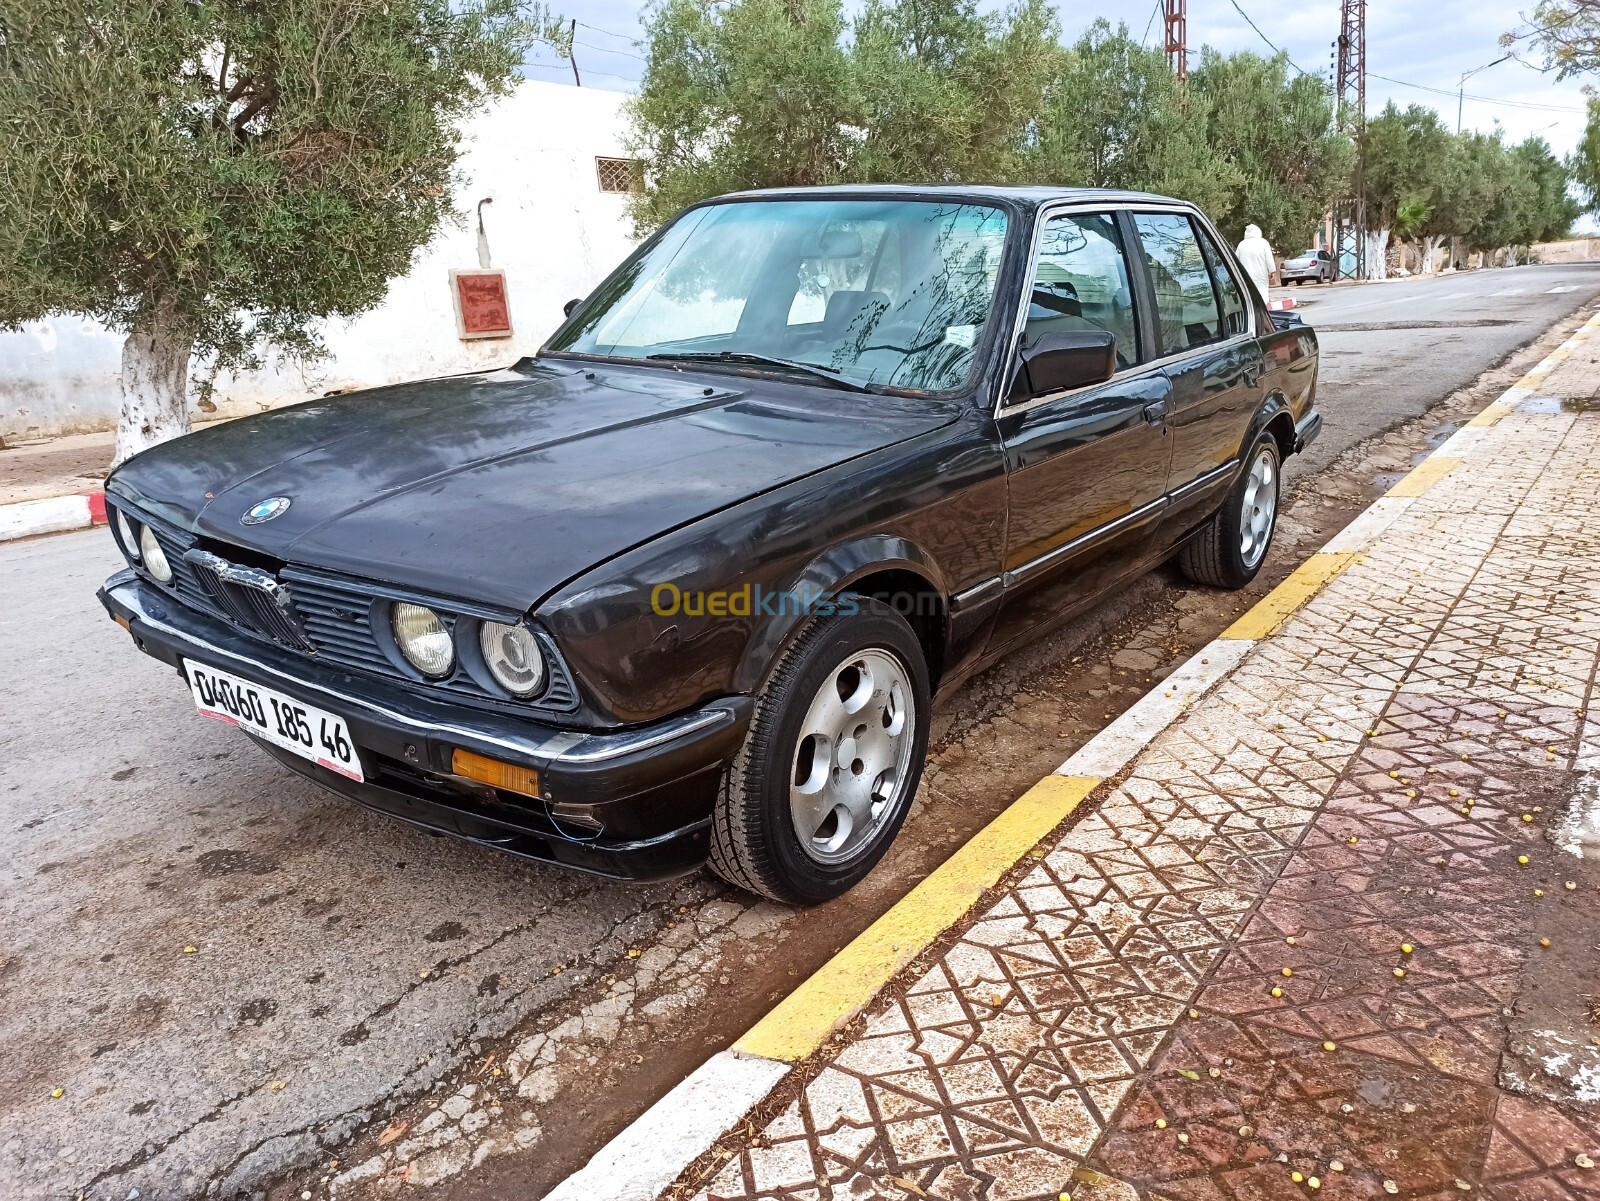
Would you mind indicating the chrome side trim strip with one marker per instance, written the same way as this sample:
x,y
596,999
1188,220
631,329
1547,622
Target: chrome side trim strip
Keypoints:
x,y
1100,532
1202,481
968,595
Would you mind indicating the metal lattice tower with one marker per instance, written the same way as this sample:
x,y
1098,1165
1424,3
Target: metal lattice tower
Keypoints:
x,y
1350,92
1177,24
1351,87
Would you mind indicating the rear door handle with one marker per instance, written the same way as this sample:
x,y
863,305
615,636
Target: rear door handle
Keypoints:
x,y
1155,412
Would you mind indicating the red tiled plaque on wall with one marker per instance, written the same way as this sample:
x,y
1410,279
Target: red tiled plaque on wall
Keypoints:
x,y
482,308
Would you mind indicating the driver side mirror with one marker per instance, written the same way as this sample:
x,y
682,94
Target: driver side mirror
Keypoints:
x,y
1059,361
571,304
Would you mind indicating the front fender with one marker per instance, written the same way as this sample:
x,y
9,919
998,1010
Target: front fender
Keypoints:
x,y
831,573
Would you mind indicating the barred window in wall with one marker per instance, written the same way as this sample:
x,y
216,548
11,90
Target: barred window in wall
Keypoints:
x,y
620,174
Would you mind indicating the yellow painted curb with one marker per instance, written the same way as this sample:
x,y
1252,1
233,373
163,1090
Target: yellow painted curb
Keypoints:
x,y
1277,606
1493,413
1425,475
844,985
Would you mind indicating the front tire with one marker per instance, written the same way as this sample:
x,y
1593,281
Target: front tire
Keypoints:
x,y
831,761
1228,550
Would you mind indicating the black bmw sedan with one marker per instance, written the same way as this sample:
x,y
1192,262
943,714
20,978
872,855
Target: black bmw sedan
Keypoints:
x,y
687,584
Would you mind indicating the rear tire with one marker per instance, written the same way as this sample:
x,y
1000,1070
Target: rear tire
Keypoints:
x,y
831,761
1228,550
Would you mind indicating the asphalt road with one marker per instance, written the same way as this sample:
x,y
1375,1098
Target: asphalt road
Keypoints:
x,y
1390,350
225,970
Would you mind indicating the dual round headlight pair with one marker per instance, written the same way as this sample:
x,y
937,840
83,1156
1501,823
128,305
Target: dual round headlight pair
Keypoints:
x,y
142,547
510,652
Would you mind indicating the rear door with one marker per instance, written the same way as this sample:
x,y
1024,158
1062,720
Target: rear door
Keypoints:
x,y
1087,468
1204,331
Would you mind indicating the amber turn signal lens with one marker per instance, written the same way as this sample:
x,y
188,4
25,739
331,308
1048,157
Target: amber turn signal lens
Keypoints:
x,y
122,621
491,771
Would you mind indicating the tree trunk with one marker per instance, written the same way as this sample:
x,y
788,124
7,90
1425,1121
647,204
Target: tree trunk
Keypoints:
x,y
155,381
1377,254
1430,247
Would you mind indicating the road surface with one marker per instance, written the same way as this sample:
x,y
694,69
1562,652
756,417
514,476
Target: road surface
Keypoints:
x,y
230,974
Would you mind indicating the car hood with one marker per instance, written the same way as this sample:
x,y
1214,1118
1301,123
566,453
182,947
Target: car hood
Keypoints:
x,y
500,487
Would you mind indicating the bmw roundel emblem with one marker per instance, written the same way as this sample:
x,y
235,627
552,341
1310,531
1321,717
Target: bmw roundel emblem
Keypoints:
x,y
265,510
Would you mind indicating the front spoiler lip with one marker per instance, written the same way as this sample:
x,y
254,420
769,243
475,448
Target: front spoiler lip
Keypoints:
x,y
646,786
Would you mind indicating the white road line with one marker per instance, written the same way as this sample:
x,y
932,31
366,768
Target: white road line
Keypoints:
x,y
1561,289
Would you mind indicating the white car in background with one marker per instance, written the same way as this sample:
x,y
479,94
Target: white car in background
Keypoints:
x,y
1315,266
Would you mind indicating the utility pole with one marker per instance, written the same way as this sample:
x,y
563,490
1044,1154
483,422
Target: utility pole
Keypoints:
x,y
1351,89
1350,94
1177,23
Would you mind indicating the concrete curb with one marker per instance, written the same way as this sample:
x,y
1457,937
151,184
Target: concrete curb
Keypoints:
x,y
657,1148
53,515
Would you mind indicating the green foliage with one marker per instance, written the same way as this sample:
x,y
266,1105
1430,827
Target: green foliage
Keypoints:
x,y
1115,116
1585,161
1567,33
1280,134
239,167
1400,150
767,93
945,94
1549,211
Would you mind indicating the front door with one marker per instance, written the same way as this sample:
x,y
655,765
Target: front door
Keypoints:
x,y
1204,328
1087,469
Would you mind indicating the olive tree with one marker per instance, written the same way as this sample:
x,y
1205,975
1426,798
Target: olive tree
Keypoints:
x,y
1281,135
765,93
212,176
1116,116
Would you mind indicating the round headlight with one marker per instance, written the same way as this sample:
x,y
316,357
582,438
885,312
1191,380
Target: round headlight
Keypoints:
x,y
155,559
125,535
422,638
513,657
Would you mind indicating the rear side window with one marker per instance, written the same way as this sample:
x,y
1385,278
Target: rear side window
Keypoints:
x,y
1186,304
1080,282
1234,321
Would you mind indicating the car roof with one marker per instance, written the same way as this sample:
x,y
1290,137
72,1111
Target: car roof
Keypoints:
x,y
1029,196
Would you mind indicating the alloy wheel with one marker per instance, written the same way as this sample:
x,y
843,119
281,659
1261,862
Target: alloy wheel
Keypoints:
x,y
1260,507
852,759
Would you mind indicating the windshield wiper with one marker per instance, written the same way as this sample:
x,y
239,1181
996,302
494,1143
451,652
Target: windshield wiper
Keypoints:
x,y
831,375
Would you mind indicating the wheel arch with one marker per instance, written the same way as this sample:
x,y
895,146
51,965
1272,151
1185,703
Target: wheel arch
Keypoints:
x,y
1276,417
881,565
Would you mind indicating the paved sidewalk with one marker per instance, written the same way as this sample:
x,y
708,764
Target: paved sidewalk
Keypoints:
x,y
1334,930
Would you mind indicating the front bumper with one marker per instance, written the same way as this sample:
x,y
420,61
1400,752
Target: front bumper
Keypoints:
x,y
630,804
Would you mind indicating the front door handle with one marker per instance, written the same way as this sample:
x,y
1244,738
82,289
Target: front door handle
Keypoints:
x,y
1155,412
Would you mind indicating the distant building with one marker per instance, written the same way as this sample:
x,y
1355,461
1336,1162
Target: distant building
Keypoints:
x,y
551,157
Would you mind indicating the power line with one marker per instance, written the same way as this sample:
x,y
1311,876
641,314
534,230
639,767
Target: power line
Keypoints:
x,y
610,33
609,50
1529,104
1266,39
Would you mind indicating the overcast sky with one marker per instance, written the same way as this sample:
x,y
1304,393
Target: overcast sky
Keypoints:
x,y
1426,43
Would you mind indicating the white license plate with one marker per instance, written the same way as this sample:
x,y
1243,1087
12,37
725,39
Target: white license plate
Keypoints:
x,y
309,732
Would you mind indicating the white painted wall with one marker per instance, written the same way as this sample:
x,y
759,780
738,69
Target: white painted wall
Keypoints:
x,y
550,228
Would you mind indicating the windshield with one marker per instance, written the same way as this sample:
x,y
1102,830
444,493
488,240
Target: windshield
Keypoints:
x,y
880,292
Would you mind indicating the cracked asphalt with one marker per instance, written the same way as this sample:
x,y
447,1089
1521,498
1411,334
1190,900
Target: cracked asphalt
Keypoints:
x,y
241,985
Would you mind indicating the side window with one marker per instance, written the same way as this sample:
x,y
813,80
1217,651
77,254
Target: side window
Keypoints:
x,y
1186,305
1234,321
1080,282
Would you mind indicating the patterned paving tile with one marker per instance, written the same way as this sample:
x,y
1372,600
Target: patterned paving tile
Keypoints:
x,y
1201,990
